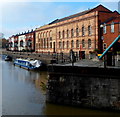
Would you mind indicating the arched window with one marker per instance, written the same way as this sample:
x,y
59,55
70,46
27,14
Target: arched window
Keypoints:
x,y
63,44
83,31
83,43
47,43
72,33
89,30
67,33
63,34
89,43
39,35
72,44
59,34
67,44
44,34
77,32
50,44
50,33
44,43
77,44
60,45
41,43
21,43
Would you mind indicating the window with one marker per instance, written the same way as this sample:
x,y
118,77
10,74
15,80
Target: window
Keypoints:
x,y
89,43
60,45
104,28
112,27
38,35
72,44
11,44
89,30
50,34
77,44
21,43
83,31
77,32
47,43
83,43
67,44
72,33
63,34
29,43
59,35
41,43
44,43
67,33
43,34
104,46
50,38
63,44
46,34
50,44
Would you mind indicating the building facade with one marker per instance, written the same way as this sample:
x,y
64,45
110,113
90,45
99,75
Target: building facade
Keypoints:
x,y
30,40
11,43
22,42
111,30
79,32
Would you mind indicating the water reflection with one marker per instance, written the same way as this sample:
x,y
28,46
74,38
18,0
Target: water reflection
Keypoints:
x,y
23,94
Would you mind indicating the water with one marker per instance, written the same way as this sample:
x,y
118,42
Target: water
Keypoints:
x,y
22,94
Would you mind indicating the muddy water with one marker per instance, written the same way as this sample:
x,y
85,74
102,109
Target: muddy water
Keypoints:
x,y
23,93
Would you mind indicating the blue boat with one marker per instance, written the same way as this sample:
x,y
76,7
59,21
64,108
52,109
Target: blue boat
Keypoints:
x,y
28,64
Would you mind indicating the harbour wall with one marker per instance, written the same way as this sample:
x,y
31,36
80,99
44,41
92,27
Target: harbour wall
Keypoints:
x,y
46,57
89,87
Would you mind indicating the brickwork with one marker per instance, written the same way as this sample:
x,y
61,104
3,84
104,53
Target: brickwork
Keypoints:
x,y
109,36
80,32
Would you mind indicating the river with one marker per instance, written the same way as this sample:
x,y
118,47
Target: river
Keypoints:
x,y
22,94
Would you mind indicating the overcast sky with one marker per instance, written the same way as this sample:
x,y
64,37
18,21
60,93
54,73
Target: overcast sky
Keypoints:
x,y
25,15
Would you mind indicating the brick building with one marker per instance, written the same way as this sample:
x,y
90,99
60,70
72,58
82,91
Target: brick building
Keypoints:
x,y
30,40
11,43
80,32
22,42
111,30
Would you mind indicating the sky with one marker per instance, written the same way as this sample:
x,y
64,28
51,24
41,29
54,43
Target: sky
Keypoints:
x,y
24,15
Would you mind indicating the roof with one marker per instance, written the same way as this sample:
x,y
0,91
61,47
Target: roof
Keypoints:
x,y
111,19
80,14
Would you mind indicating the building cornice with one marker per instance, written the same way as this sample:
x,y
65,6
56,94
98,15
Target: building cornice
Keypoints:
x,y
65,23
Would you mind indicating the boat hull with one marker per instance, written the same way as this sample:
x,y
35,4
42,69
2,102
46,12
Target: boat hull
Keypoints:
x,y
26,64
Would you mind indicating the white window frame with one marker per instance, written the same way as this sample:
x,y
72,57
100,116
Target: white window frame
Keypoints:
x,y
112,27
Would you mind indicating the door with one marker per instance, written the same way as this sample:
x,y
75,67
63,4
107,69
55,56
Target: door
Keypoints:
x,y
82,54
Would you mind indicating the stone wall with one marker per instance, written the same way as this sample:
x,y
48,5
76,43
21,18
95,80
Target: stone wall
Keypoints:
x,y
84,87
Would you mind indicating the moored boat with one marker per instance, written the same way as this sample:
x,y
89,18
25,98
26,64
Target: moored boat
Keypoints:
x,y
8,58
28,64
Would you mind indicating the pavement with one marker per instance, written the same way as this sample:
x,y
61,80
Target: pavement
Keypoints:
x,y
88,63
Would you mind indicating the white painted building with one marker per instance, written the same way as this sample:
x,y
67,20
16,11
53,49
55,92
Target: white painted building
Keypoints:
x,y
21,42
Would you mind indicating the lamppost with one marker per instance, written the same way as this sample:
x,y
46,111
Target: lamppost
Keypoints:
x,y
105,57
